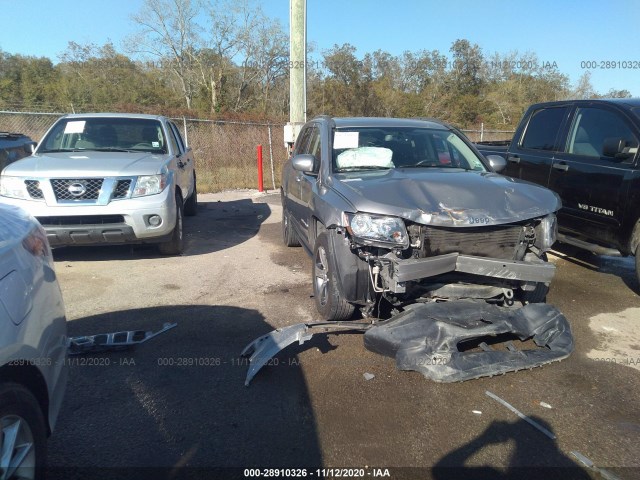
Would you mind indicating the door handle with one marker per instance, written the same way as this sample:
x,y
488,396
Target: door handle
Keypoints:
x,y
513,158
561,166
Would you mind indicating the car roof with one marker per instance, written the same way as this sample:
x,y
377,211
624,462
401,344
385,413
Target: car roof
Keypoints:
x,y
344,122
113,115
621,102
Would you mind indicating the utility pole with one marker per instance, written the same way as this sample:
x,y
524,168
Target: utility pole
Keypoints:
x,y
297,71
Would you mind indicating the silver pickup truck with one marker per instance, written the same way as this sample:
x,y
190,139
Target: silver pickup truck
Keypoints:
x,y
107,178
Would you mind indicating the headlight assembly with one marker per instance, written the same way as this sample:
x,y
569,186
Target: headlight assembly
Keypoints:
x,y
150,185
546,232
13,187
377,230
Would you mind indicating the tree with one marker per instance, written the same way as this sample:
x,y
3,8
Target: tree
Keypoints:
x,y
170,34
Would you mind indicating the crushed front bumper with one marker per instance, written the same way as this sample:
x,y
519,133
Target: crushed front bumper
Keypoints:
x,y
400,271
429,338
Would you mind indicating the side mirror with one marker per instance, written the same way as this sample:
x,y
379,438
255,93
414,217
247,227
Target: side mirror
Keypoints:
x,y
615,147
304,163
497,163
31,147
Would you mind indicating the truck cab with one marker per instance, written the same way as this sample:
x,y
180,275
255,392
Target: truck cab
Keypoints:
x,y
587,152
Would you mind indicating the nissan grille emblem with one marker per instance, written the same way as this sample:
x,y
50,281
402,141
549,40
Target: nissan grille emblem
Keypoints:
x,y
77,189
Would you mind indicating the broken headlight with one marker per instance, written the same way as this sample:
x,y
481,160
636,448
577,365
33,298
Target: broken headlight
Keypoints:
x,y
377,230
546,232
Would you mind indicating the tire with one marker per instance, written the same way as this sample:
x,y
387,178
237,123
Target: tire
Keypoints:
x,y
539,294
191,205
289,236
20,415
325,289
638,265
175,246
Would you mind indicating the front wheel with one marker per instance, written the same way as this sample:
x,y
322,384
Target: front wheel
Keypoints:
x,y
327,297
638,265
23,446
175,246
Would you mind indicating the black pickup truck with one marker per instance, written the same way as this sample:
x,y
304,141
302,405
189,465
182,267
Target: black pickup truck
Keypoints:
x,y
587,152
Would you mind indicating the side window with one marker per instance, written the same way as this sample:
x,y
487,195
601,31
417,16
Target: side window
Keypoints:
x,y
175,144
315,147
303,141
593,127
542,130
176,133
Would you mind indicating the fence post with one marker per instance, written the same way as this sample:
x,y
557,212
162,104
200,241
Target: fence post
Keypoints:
x,y
273,174
260,179
481,131
186,137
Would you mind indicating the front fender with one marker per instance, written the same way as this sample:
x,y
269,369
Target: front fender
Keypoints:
x,y
352,273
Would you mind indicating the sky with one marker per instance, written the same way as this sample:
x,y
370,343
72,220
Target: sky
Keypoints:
x,y
575,36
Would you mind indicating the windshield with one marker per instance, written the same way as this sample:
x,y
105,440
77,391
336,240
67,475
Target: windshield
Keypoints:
x,y
105,134
380,148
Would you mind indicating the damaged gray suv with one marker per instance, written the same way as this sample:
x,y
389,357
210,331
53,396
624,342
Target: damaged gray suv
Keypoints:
x,y
408,211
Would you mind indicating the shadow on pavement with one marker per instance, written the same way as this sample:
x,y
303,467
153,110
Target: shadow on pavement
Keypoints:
x,y
623,267
179,400
533,456
217,226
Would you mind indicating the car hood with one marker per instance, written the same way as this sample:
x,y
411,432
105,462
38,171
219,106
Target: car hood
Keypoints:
x,y
446,198
80,164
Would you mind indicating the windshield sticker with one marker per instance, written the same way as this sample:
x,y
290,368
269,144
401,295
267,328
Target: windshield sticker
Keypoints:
x,y
155,144
345,140
75,127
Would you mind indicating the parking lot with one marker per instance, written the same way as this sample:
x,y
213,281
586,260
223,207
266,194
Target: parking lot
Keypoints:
x,y
180,399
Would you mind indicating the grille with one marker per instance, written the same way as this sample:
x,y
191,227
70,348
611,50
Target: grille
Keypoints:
x,y
91,188
81,220
122,189
492,242
33,187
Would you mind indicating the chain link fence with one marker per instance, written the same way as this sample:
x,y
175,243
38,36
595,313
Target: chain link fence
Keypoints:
x,y
225,152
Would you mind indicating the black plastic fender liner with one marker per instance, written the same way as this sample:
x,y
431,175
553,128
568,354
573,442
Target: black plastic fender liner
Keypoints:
x,y
425,338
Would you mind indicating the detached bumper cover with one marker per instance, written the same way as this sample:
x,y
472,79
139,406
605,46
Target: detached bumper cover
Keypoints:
x,y
425,338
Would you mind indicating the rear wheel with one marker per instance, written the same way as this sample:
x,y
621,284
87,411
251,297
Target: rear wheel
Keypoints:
x,y
191,205
289,236
175,246
23,440
327,297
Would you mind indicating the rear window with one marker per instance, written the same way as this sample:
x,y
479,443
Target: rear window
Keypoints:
x,y
542,131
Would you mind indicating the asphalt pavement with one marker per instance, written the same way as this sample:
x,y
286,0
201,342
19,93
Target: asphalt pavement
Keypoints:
x,y
180,401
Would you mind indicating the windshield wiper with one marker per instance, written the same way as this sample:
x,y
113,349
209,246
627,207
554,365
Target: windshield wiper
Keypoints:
x,y
58,150
112,149
362,167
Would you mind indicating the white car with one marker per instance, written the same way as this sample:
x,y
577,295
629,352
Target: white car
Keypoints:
x,y
33,344
107,178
